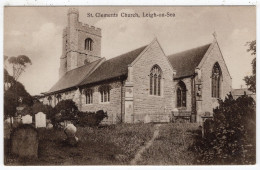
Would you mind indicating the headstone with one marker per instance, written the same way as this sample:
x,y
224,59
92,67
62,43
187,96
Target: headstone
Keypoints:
x,y
24,141
27,119
40,120
70,131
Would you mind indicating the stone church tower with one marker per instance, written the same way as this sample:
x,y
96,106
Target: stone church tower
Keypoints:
x,y
81,43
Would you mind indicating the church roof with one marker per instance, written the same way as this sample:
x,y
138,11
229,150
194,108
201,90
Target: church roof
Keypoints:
x,y
186,62
114,67
109,69
74,77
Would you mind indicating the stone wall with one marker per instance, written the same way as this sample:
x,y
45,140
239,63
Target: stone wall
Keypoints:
x,y
113,108
187,82
74,53
214,55
144,103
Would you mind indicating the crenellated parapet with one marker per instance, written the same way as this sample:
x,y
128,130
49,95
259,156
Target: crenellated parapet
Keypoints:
x,y
87,28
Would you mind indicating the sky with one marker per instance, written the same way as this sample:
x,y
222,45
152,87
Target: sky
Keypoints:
x,y
37,33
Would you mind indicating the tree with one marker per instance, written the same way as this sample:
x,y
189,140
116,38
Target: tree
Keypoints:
x,y
251,80
232,133
11,97
19,64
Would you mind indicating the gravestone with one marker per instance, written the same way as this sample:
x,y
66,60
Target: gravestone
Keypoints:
x,y
27,119
70,131
24,141
40,120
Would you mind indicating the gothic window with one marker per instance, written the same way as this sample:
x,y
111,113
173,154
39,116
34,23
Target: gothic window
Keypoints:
x,y
216,81
181,94
155,81
104,94
89,44
89,96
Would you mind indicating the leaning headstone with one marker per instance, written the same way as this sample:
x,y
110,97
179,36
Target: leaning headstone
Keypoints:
x,y
40,120
27,119
24,141
70,131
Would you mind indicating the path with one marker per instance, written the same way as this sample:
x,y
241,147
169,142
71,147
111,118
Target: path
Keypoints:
x,y
146,146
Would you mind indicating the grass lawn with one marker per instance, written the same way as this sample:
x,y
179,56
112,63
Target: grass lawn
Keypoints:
x,y
111,145
171,146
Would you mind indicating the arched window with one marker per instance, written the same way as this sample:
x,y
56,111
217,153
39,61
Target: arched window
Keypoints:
x,y
155,81
89,44
89,96
50,100
181,94
216,81
104,93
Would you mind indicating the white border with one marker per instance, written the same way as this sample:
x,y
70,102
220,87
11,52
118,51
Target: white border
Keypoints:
x,y
131,3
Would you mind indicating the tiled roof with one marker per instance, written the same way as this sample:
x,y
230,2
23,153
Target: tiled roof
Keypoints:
x,y
74,77
114,67
186,62
111,68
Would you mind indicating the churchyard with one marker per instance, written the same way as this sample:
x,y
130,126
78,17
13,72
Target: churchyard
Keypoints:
x,y
66,138
112,145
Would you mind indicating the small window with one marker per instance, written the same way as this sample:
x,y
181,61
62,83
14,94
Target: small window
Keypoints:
x,y
89,96
104,94
155,81
181,94
89,44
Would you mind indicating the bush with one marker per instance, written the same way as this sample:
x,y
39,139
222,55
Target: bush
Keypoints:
x,y
91,118
40,107
232,133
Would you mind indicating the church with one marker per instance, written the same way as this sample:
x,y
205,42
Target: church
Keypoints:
x,y
143,85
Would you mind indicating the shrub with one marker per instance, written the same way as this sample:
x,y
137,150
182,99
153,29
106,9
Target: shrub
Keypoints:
x,y
91,118
64,110
226,143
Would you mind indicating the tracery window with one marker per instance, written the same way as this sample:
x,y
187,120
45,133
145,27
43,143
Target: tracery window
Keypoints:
x,y
104,93
216,81
89,96
155,80
181,94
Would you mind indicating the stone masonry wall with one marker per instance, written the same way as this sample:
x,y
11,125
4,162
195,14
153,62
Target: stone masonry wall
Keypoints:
x,y
113,107
187,82
144,103
208,103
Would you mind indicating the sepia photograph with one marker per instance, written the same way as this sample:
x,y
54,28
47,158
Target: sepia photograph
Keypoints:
x,y
129,85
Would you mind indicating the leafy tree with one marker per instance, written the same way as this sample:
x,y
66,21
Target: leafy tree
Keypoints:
x,y
40,107
11,97
251,80
19,64
233,131
15,89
